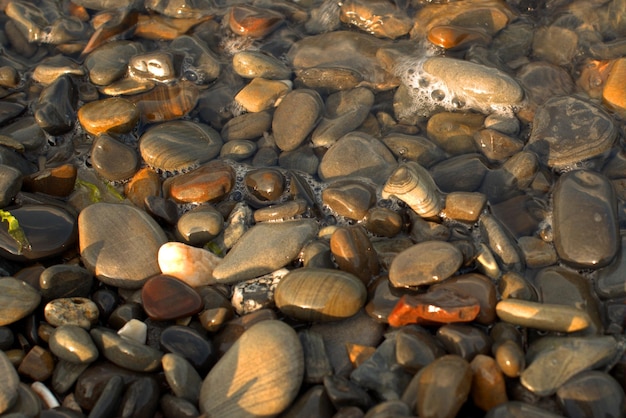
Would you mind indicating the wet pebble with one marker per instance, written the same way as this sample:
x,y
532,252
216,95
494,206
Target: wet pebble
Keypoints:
x,y
109,62
56,109
602,395
353,252
18,299
10,382
210,182
38,364
425,263
112,159
114,114
295,118
248,126
126,353
77,311
10,184
253,64
181,377
166,298
349,198
73,344
261,94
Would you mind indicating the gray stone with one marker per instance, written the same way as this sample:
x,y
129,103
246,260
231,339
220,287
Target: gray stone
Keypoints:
x,y
17,300
181,377
9,382
125,352
73,343
10,184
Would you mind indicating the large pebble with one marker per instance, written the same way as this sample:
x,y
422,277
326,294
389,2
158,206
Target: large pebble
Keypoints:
x,y
544,316
109,62
191,265
119,243
179,145
125,352
73,343
313,294
425,263
182,378
112,159
586,235
114,114
77,311
260,375
295,117
592,393
17,299
264,248
208,183
9,382
166,298
568,129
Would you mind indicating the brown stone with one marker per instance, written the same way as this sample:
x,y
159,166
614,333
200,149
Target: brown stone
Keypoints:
x,y
166,298
441,306
209,183
58,181
114,114
354,252
146,182
246,20
488,386
38,364
167,102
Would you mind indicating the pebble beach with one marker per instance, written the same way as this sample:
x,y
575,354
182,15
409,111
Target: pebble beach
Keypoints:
x,y
313,208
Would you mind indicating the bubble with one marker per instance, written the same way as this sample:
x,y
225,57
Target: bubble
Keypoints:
x,y
438,95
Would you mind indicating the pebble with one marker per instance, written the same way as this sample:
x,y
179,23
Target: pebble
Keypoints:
x,y
238,150
261,94
115,115
611,96
112,159
77,311
73,344
210,182
488,384
573,240
166,102
248,126
414,148
609,283
56,108
256,64
353,252
126,353
38,364
135,330
349,198
200,225
119,244
464,206
17,300
603,395
295,117
179,145
58,181
376,17
464,340
544,316
314,294
425,263
60,281
435,306
10,382
166,298
567,130
109,62
270,389
255,294
181,377
280,243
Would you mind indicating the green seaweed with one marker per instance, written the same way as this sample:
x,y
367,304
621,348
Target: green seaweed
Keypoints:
x,y
15,231
94,192
214,248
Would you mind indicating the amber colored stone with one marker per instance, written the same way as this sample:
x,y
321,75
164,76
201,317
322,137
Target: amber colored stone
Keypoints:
x,y
488,386
354,252
114,114
453,37
38,364
613,94
209,183
252,21
167,102
265,184
440,306
58,181
110,24
146,182
159,28
359,353
165,298
476,286
593,77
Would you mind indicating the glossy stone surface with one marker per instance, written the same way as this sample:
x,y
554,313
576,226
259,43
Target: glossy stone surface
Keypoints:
x,y
189,344
210,182
191,265
425,263
72,343
8,383
302,106
165,298
592,393
437,306
115,114
445,385
112,159
353,252
126,353
17,300
550,317
182,378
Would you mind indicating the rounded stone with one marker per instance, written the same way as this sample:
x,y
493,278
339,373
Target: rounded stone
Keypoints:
x,y
444,386
425,263
295,117
77,311
208,183
10,184
191,345
179,145
260,375
64,280
314,294
17,300
119,244
112,159
253,64
9,382
349,198
166,298
73,343
125,352
592,393
114,114
200,225
191,265
182,378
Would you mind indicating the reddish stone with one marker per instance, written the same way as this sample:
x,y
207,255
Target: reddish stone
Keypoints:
x,y
57,181
451,37
165,298
440,306
251,21
354,252
145,183
209,183
477,286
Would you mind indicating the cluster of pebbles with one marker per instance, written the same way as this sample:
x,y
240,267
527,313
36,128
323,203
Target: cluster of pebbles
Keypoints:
x,y
366,208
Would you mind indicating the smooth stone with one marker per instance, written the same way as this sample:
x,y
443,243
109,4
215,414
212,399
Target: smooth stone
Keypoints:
x,y
302,159
73,344
488,87
497,146
416,348
586,235
353,252
314,403
62,281
57,181
38,364
317,254
248,126
77,311
9,77
181,377
166,102
543,316
510,358
9,111
109,399
316,363
49,229
464,340
382,222
261,94
311,294
456,37
444,386
124,313
268,390
344,393
55,111
280,243
265,184
254,22
109,62
253,64
425,263
51,68
454,132
209,183
382,300
9,383
119,244
26,132
536,252
141,398
375,161
345,111
349,198
166,298
153,66
10,184
112,159
135,330
519,409
414,148
17,300
488,385
175,407
28,403
238,150
500,242
179,145
567,130
542,81
66,374
464,206
189,344
554,360
477,286
609,283
592,393
191,265
611,96
146,182
106,300
201,65
547,37
236,326
446,173
367,15
435,306
295,118
200,225
114,114
126,353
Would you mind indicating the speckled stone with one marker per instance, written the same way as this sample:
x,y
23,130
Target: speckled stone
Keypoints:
x,y
77,311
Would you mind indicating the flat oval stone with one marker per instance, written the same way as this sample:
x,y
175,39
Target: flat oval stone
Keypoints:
x,y
9,382
112,159
488,385
63,280
119,244
77,311
125,352
253,64
110,62
544,316
295,118
260,375
17,300
603,396
179,145
191,345
313,294
167,102
465,340
73,343
165,298
280,243
349,198
208,183
425,263
444,387
182,378
247,126
586,235
354,253
567,130
114,114
50,230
